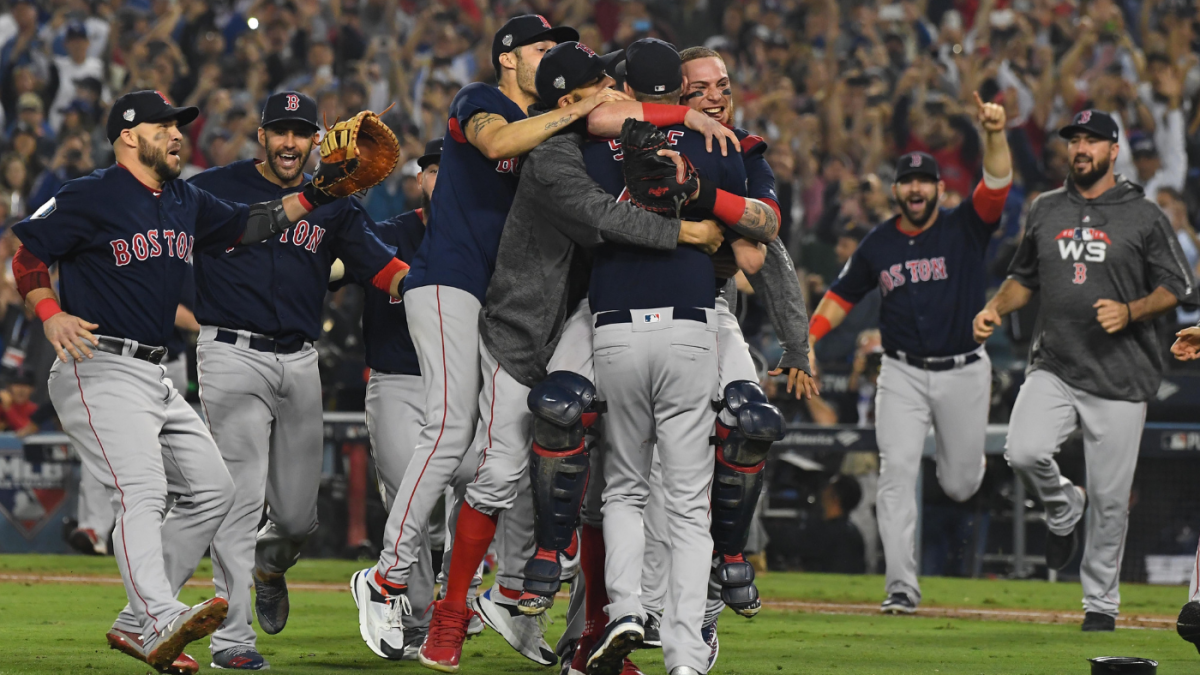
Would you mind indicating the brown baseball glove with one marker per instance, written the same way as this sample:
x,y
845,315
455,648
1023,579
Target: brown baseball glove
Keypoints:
x,y
356,154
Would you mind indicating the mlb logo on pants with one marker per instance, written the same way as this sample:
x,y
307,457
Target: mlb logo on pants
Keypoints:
x,y
653,318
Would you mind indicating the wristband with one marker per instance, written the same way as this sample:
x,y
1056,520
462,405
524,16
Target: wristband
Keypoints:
x,y
311,197
383,278
663,115
46,308
818,328
728,207
705,199
1129,308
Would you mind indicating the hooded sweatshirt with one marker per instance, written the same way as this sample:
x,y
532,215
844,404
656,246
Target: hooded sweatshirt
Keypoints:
x,y
1118,246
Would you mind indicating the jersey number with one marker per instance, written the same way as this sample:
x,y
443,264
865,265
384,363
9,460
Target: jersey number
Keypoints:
x,y
1080,273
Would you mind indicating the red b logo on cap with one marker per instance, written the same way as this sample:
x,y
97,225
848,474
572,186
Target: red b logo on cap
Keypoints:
x,y
916,161
293,103
1085,117
543,20
163,97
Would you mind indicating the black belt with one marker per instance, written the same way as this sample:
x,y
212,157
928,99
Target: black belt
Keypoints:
x,y
626,316
114,345
935,363
262,344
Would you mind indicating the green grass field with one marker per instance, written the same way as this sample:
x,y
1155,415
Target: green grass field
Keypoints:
x,y
59,628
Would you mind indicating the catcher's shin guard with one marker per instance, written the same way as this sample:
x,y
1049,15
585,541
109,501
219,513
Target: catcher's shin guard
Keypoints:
x,y
564,406
737,484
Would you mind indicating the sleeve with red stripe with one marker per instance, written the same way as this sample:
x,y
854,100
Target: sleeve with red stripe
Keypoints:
x,y
989,202
31,273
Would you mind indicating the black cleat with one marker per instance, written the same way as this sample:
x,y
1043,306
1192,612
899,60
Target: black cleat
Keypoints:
x,y
1095,622
271,604
620,638
652,638
898,603
1188,623
1061,548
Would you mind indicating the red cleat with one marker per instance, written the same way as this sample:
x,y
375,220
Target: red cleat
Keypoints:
x,y
582,651
442,648
131,644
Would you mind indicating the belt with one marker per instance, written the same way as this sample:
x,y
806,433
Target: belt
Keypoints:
x,y
935,363
261,344
626,316
114,345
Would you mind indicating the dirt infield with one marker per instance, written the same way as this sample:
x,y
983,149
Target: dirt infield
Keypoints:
x,y
1145,621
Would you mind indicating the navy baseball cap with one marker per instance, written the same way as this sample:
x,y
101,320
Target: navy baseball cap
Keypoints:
x,y
76,30
1143,145
433,154
1093,122
653,67
146,105
290,106
524,30
568,66
917,164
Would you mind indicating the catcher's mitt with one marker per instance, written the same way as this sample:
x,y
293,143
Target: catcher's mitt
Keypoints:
x,y
650,178
356,154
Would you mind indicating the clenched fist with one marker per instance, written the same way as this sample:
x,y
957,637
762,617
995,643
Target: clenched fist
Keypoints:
x,y
985,324
991,116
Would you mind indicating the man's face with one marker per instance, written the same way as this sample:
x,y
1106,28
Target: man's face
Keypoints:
x,y
1147,165
427,179
527,59
288,145
20,393
77,49
918,198
585,91
1091,158
706,88
158,145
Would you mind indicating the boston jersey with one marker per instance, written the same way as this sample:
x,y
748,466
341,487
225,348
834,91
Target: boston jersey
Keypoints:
x,y
470,203
760,179
123,249
932,283
277,287
629,277
388,344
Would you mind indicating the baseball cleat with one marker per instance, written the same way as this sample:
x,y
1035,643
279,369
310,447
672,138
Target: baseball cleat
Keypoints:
x,y
413,639
684,670
532,604
1061,548
442,650
620,639
379,616
86,542
653,624
523,633
1188,623
709,632
192,624
242,657
476,626
898,603
271,604
578,659
130,644
1097,622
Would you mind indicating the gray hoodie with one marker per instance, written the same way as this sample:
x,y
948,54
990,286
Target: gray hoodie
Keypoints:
x,y
1118,246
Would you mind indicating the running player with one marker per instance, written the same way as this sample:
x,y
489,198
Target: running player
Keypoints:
x,y
260,312
123,238
928,263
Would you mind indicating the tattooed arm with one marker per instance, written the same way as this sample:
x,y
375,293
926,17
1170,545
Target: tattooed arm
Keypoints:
x,y
758,222
498,138
751,218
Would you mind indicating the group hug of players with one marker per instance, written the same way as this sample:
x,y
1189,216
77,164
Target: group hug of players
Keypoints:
x,y
561,366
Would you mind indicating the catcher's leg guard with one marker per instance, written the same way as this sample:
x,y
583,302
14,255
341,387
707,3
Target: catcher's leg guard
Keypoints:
x,y
737,484
564,406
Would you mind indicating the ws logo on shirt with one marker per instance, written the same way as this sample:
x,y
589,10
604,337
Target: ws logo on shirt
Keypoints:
x,y
1088,242
146,246
923,269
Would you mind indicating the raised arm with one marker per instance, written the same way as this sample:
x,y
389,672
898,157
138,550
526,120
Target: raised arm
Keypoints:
x,y
606,121
499,139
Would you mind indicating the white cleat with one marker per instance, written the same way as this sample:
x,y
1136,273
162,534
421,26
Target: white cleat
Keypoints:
x,y
379,617
523,633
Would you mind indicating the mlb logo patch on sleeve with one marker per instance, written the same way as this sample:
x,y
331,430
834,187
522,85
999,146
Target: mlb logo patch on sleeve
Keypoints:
x,y
45,210
652,318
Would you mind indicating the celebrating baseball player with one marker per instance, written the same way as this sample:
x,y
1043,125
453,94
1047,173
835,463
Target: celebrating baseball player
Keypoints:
x,y
1187,348
1107,264
928,264
260,311
123,238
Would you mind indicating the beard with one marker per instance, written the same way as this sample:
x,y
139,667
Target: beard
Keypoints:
x,y
919,219
1086,179
156,160
526,76
425,204
281,173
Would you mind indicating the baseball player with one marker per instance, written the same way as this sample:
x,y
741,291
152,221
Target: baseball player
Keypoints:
x,y
1107,264
1187,348
260,312
928,264
123,238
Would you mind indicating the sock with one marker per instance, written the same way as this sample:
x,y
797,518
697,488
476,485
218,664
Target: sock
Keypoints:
x,y
509,593
387,588
591,564
472,536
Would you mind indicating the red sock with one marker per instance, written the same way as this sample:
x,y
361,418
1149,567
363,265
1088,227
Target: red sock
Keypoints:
x,y
591,563
472,536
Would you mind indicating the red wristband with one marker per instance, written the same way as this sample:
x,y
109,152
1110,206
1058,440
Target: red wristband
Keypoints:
x,y
383,278
664,115
818,328
46,308
308,206
729,207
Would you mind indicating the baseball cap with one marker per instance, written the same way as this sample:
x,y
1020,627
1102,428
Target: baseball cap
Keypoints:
x,y
288,106
1093,122
917,164
1143,145
29,101
410,169
146,105
653,67
76,30
568,66
527,29
433,154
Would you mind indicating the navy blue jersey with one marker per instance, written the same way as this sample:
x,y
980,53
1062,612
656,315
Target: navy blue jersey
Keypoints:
x,y
760,179
932,283
177,342
123,249
629,277
385,327
470,202
277,287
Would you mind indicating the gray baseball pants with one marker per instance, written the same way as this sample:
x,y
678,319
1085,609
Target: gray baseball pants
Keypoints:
x,y
264,410
1047,410
136,434
908,401
659,376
